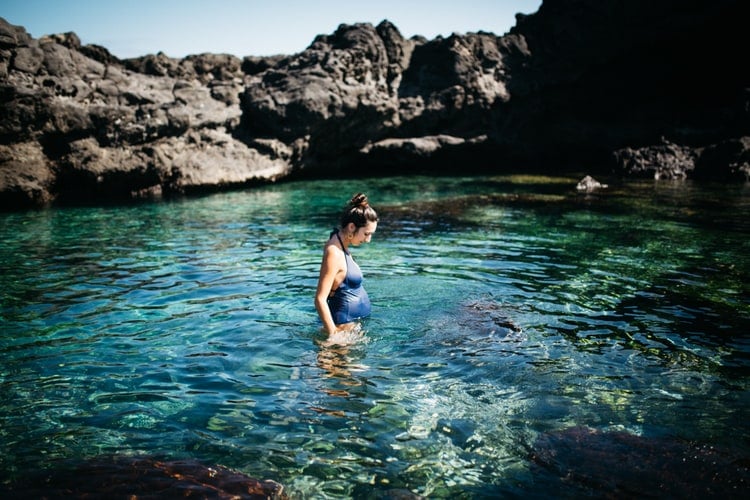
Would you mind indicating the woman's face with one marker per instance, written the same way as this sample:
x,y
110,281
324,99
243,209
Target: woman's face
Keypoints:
x,y
363,234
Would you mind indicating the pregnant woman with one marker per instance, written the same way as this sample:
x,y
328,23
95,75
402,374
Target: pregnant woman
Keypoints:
x,y
341,299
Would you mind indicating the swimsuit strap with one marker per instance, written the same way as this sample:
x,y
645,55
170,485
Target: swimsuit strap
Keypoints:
x,y
341,242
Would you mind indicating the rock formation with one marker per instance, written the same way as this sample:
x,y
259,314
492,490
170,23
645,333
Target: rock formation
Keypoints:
x,y
626,85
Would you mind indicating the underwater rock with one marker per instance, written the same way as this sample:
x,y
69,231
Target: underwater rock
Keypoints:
x,y
624,465
490,317
122,477
460,431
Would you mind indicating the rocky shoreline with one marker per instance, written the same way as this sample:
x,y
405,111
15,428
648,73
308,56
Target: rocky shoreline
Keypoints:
x,y
630,88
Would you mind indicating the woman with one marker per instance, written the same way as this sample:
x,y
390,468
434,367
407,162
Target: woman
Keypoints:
x,y
340,299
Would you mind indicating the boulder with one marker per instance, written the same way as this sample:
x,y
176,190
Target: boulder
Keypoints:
x,y
588,185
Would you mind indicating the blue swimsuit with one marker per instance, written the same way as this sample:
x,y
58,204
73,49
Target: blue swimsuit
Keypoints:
x,y
350,301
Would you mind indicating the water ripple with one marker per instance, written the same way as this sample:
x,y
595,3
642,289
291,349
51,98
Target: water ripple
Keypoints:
x,y
187,329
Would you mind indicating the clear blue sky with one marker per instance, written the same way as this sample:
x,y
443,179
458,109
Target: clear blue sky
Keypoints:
x,y
248,27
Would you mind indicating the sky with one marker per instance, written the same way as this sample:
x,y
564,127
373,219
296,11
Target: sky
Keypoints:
x,y
132,28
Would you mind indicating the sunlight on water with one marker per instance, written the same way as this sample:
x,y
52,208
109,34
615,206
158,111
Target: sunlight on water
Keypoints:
x,y
507,312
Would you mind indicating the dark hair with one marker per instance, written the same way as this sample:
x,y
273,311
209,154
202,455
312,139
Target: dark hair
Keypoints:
x,y
358,211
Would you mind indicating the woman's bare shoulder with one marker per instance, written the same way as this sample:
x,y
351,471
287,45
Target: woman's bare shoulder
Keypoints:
x,y
332,252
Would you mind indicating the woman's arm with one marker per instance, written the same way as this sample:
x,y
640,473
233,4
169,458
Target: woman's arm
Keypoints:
x,y
329,268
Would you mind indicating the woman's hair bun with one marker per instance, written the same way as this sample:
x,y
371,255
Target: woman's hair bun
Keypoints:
x,y
358,211
358,200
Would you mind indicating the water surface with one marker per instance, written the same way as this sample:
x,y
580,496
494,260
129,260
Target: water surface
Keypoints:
x,y
513,320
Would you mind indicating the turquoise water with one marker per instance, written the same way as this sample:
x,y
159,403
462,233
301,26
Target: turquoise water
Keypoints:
x,y
506,312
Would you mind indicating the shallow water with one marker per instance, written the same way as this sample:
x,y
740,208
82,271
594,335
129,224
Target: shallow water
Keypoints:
x,y
507,311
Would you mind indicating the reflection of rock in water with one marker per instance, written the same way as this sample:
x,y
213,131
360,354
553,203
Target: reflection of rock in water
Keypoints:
x,y
143,478
623,465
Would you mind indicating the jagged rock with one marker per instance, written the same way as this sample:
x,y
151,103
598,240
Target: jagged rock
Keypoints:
x,y
99,54
568,86
597,79
727,161
338,83
89,127
106,172
25,175
13,36
252,65
662,161
217,160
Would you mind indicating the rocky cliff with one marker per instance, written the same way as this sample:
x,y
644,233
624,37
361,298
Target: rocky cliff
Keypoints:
x,y
642,88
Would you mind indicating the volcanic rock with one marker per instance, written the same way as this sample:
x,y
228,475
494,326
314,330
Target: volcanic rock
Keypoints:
x,y
630,87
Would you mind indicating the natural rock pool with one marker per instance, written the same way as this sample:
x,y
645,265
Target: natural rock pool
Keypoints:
x,y
526,340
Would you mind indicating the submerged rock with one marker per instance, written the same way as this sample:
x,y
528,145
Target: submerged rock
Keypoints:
x,y
122,477
489,316
623,465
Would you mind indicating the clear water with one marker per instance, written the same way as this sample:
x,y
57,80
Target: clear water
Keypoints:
x,y
505,309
